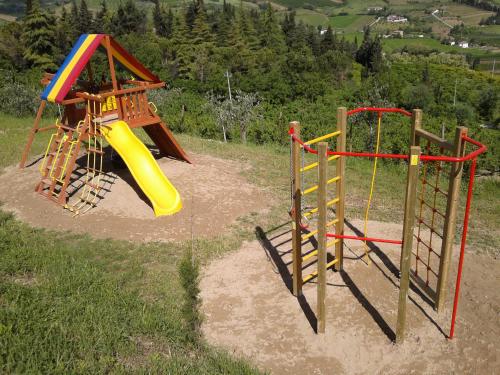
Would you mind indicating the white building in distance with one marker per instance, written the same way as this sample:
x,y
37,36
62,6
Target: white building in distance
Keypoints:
x,y
396,19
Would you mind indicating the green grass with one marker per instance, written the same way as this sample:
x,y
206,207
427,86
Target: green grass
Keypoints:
x,y
351,23
13,136
76,305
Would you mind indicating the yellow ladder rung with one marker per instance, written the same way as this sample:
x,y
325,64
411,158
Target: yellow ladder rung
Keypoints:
x,y
333,242
310,234
313,165
310,255
314,210
323,137
315,273
315,252
315,187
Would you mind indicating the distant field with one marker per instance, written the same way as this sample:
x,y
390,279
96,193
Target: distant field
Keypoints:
x,y
487,35
301,3
467,14
312,17
351,22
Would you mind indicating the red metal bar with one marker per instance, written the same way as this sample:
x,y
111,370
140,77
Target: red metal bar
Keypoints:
x,y
379,110
369,239
462,247
482,148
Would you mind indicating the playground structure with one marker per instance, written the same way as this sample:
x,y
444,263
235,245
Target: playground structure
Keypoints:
x,y
98,111
429,159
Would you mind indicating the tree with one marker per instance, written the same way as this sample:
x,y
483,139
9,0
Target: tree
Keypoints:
x,y
369,53
245,111
221,108
270,33
488,101
160,19
63,35
85,19
329,42
73,20
102,20
39,38
201,31
29,6
129,19
11,47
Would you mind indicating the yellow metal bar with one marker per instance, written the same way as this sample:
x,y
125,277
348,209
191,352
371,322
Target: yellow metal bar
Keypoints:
x,y
315,273
314,165
313,253
333,242
314,210
315,187
310,234
56,156
42,165
310,255
66,160
323,137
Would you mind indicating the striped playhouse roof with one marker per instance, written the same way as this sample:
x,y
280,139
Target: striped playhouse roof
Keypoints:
x,y
81,53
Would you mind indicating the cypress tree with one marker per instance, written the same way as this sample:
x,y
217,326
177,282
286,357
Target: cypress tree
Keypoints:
x,y
271,35
182,48
159,19
102,19
63,34
128,18
29,6
85,21
39,38
169,23
201,31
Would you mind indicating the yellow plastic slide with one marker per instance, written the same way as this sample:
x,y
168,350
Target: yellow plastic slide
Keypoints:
x,y
144,168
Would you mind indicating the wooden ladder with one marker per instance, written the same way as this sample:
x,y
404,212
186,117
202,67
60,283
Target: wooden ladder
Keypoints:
x,y
59,162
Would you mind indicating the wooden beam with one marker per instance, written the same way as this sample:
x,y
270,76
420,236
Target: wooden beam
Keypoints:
x,y
435,139
322,211
450,218
296,213
32,133
340,186
107,45
408,228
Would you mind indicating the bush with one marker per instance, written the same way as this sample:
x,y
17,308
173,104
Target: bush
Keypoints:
x,y
18,99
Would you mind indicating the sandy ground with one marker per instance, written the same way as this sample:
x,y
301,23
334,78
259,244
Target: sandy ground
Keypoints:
x,y
214,194
250,311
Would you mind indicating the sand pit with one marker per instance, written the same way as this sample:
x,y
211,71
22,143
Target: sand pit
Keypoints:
x,y
214,194
250,311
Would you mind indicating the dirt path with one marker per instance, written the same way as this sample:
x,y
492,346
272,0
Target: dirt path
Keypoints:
x,y
250,311
213,191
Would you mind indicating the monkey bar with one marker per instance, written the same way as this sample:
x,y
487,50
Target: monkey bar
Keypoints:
x,y
432,172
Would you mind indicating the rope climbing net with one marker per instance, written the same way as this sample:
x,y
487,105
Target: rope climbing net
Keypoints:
x,y
437,170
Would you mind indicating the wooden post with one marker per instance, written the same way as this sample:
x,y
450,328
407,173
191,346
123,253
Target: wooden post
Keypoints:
x,y
107,45
416,123
296,213
408,227
340,185
322,183
450,218
31,136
